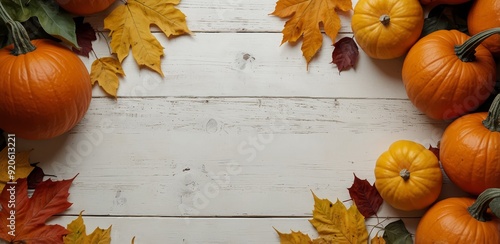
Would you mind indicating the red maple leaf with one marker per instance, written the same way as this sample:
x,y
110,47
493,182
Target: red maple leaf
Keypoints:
x,y
366,197
346,53
22,219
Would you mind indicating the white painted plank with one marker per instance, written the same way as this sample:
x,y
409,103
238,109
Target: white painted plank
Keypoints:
x,y
207,231
226,156
253,64
229,16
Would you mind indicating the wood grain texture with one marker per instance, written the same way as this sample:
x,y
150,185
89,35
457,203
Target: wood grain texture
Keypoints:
x,y
226,156
149,230
253,64
230,16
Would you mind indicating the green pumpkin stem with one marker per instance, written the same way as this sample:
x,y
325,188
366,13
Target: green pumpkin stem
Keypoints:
x,y
466,51
479,208
22,42
492,122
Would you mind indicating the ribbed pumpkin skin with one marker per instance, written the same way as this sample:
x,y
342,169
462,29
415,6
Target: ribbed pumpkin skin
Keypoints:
x,y
85,7
387,41
43,93
424,184
470,154
438,2
442,86
485,14
448,221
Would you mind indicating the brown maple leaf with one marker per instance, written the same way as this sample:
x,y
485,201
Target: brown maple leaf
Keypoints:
x,y
366,197
346,53
22,219
306,17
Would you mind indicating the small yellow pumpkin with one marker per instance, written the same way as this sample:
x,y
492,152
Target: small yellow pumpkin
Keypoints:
x,y
386,29
408,176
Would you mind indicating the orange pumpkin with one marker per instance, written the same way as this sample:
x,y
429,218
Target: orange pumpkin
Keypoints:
x,y
45,88
448,74
408,176
470,150
460,220
85,7
485,14
386,29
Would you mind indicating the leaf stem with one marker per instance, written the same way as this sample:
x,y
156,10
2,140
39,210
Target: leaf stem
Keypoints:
x,y
492,122
479,208
466,51
22,42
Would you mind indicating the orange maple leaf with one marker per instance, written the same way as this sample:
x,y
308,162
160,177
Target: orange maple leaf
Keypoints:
x,y
22,219
306,17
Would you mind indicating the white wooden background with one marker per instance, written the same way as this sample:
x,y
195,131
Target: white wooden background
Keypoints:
x,y
230,143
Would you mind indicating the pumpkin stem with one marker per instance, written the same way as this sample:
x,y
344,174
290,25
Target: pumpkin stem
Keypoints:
x,y
385,19
22,42
466,51
492,122
479,208
405,174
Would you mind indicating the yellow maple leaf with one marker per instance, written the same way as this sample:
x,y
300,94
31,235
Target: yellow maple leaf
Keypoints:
x,y
294,238
78,234
105,71
336,223
13,166
306,17
129,26
377,240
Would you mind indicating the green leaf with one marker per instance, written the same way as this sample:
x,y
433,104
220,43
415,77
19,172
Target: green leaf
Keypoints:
x,y
396,233
55,22
447,17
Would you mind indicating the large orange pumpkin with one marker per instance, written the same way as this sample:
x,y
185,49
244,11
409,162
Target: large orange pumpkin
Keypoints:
x,y
408,176
448,74
386,29
470,150
460,220
85,7
485,14
45,88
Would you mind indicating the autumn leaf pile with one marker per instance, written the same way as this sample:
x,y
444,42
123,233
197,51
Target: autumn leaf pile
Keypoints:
x,y
24,217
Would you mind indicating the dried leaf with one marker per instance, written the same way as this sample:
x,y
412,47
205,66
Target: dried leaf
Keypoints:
x,y
294,238
78,233
366,197
35,177
105,71
337,223
434,150
30,214
306,17
377,240
85,34
396,233
130,29
19,166
346,53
